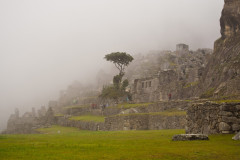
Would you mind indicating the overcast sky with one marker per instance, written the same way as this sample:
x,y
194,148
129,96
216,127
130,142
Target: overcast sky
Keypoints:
x,y
47,44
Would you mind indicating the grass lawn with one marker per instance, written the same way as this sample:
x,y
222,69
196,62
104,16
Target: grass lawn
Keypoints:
x,y
72,144
88,118
129,105
164,113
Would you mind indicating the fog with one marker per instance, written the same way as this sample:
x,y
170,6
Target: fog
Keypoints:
x,y
47,44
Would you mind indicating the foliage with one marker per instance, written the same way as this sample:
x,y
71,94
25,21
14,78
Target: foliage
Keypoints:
x,y
88,118
120,60
124,85
111,92
72,143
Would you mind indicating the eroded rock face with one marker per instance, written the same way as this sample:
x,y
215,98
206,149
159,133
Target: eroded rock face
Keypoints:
x,y
222,74
189,137
230,20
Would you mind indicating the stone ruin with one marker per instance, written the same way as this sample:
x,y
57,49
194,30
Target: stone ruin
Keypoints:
x,y
179,76
29,121
181,49
213,118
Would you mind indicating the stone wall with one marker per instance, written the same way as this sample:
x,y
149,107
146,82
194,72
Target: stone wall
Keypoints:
x,y
28,123
144,122
109,111
163,106
83,125
154,107
213,118
144,89
21,126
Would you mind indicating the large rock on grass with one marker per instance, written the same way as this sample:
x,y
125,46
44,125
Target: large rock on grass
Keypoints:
x,y
237,136
189,137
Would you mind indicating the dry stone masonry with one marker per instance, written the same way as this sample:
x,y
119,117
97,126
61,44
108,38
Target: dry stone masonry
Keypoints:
x,y
144,122
213,118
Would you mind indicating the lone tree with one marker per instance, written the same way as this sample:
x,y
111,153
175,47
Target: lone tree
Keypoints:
x,y
121,60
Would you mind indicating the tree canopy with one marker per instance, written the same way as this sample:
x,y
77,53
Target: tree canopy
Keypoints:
x,y
120,60
118,89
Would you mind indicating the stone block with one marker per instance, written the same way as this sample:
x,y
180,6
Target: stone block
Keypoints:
x,y
228,107
229,119
225,113
238,107
189,137
224,126
235,127
226,132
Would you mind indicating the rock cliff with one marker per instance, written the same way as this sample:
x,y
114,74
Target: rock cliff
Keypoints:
x,y
222,74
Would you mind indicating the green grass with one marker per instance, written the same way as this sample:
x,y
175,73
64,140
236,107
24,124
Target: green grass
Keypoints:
x,y
164,113
89,118
71,143
55,129
128,105
227,101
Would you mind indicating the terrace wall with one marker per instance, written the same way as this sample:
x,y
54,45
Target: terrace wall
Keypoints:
x,y
213,118
144,122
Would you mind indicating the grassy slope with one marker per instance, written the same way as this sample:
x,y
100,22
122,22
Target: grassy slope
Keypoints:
x,y
164,113
88,118
128,105
121,145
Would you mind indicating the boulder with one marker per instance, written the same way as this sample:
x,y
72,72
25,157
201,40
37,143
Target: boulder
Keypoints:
x,y
189,137
236,137
224,126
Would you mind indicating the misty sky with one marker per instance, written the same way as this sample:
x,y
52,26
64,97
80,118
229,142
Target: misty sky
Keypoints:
x,y
47,44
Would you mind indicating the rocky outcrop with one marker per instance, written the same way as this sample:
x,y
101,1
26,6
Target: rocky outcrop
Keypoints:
x,y
230,20
222,74
213,118
189,137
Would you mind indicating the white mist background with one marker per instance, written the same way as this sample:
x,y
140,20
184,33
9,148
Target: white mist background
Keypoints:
x,y
47,44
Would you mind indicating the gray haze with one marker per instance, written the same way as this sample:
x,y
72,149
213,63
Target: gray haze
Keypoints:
x,y
47,44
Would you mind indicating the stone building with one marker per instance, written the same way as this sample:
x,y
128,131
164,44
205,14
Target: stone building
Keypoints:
x,y
144,89
213,118
155,88
182,49
178,75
